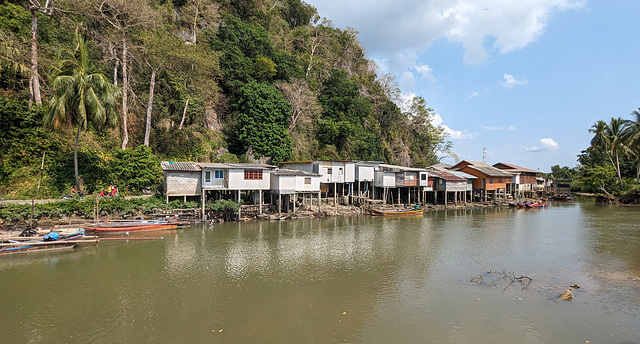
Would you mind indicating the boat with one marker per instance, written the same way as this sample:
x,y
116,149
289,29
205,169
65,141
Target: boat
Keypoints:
x,y
398,212
129,226
535,205
564,198
50,242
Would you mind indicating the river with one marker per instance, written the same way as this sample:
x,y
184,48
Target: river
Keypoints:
x,y
445,277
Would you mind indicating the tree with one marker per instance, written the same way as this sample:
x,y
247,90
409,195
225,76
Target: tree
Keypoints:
x,y
609,137
34,82
261,122
632,140
199,14
123,16
427,141
81,98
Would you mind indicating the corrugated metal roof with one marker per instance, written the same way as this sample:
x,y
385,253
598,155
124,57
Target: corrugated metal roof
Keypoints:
x,y
514,168
441,166
484,168
289,172
402,168
463,175
225,165
446,176
179,166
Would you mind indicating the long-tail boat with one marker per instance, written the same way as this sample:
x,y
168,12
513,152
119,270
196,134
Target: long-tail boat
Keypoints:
x,y
130,226
398,212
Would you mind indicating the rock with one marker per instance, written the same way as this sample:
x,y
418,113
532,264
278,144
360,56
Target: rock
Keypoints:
x,y
567,295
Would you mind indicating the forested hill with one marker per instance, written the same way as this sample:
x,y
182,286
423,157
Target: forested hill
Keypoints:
x,y
196,80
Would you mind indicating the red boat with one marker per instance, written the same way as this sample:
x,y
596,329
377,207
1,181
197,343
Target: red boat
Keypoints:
x,y
117,227
535,205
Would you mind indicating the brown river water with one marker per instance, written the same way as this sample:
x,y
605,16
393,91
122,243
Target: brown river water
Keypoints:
x,y
445,277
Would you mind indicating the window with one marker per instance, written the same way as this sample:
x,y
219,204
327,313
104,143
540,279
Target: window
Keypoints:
x,y
307,181
252,174
490,181
329,171
219,174
340,171
424,177
207,176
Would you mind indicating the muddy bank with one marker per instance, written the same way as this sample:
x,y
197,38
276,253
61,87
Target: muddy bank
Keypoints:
x,y
326,210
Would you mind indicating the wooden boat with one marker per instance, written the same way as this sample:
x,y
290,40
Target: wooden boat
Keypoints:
x,y
133,226
399,212
43,244
535,205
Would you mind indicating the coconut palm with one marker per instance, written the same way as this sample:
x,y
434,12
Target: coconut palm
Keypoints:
x,y
632,140
610,138
81,97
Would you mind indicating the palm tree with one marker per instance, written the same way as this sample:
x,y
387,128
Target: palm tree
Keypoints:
x,y
81,98
632,139
610,138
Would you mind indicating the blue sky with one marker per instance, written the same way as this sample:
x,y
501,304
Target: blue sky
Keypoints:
x,y
524,79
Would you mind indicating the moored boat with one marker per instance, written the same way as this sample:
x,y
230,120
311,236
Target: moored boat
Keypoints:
x,y
398,212
133,226
50,242
535,205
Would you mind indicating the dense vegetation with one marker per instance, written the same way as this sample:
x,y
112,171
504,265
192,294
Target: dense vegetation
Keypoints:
x,y
196,80
611,165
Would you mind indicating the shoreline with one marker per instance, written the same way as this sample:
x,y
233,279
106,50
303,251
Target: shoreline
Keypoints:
x,y
301,213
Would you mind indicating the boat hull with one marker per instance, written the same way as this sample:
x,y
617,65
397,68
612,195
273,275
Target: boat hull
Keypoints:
x,y
128,227
393,212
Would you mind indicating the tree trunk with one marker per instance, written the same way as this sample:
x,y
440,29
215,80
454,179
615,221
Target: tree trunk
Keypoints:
x,y
34,81
125,91
195,26
115,72
147,130
75,156
184,112
618,170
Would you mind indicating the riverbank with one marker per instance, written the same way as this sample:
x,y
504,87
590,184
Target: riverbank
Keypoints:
x,y
54,213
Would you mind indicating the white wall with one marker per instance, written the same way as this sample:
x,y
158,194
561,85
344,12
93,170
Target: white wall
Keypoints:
x,y
237,181
385,179
365,173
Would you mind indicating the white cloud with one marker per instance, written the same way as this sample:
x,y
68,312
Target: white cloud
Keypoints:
x,y
474,94
407,81
546,145
425,72
509,128
459,134
510,81
481,27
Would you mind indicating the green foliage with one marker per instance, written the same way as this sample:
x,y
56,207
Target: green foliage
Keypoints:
x,y
243,48
592,179
261,115
137,169
116,207
564,172
298,13
224,205
265,68
347,123
93,168
22,138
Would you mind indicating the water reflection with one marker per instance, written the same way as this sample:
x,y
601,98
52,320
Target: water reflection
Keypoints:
x,y
354,279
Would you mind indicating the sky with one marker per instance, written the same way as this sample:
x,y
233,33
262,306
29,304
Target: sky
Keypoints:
x,y
519,82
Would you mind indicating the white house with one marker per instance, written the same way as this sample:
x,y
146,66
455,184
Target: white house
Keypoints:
x,y
225,178
288,183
